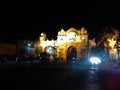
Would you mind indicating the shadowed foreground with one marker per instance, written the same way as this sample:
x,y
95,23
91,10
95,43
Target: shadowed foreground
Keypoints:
x,y
64,76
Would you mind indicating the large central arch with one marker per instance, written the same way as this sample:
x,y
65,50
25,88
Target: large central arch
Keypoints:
x,y
71,53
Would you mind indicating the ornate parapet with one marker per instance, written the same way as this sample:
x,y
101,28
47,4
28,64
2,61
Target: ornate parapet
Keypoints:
x,y
65,39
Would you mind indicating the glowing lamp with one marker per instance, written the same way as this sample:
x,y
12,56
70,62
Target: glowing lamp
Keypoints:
x,y
95,60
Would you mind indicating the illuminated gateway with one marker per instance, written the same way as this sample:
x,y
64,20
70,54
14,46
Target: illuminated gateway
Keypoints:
x,y
70,44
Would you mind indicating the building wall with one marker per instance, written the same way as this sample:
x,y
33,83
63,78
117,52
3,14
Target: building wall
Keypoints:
x,y
66,39
7,49
81,47
72,38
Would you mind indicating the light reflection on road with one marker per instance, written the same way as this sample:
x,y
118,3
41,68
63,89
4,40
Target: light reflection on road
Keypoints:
x,y
92,79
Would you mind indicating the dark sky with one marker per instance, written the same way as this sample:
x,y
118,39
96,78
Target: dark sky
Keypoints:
x,y
94,17
51,18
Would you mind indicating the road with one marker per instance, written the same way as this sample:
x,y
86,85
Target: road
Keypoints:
x,y
59,76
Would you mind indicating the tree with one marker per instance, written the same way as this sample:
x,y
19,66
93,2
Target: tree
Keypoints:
x,y
109,37
21,52
38,50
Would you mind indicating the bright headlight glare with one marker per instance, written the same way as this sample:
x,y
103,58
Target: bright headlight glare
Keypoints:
x,y
95,60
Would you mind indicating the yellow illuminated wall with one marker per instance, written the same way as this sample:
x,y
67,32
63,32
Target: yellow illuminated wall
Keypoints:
x,y
66,39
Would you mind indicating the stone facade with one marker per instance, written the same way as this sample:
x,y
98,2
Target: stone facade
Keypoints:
x,y
7,49
67,42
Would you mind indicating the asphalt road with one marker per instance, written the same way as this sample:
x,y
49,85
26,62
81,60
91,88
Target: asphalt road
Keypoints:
x,y
59,76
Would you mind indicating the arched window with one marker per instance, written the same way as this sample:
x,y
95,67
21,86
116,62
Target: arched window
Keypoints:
x,y
71,36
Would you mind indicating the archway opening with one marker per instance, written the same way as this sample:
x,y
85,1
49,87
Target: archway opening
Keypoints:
x,y
71,53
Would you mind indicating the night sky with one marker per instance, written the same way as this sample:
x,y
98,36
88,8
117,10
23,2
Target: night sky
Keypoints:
x,y
93,19
51,19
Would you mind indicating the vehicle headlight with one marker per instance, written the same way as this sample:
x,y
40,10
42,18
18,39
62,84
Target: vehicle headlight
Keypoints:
x,y
95,60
